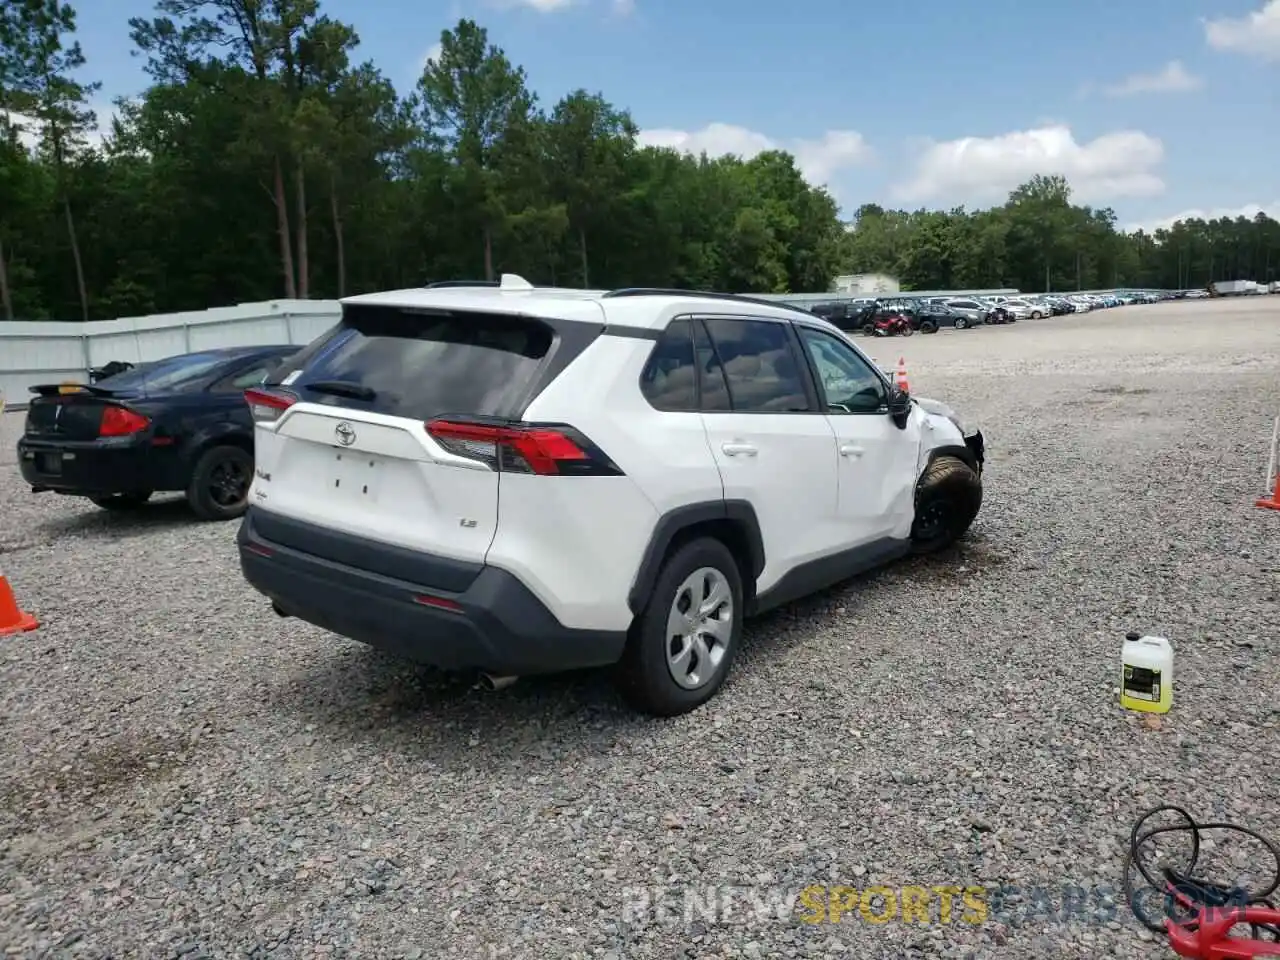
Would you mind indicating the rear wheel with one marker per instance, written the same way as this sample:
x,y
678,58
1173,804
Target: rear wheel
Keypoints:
x,y
683,644
1036,314
219,487
928,327
908,330
122,501
868,329
962,323
948,498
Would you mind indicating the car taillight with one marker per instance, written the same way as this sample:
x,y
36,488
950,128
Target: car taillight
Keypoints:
x,y
266,406
121,422
542,449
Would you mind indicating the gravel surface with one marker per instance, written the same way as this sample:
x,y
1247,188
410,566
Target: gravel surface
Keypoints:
x,y
184,774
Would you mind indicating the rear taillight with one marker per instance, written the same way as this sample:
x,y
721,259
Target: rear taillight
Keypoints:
x,y
121,422
266,406
542,449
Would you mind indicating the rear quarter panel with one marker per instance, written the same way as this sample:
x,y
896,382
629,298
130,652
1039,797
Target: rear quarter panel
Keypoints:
x,y
578,541
188,424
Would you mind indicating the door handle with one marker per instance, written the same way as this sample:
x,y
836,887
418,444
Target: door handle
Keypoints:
x,y
734,449
851,450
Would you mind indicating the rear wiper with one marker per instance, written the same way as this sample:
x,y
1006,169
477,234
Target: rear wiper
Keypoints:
x,y
343,388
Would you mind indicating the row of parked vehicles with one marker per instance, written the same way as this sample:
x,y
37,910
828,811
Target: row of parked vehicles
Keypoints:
x,y
905,315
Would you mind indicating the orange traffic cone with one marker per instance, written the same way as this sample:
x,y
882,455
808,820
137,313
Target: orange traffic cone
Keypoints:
x,y
1272,500
12,619
901,378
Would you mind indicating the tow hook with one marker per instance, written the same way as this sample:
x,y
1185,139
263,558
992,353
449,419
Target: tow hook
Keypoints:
x,y
492,683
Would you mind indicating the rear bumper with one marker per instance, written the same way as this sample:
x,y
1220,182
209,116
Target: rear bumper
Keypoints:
x,y
489,621
91,467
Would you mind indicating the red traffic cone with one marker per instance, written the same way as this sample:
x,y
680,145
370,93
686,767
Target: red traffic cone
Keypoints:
x,y
1272,500
901,377
12,619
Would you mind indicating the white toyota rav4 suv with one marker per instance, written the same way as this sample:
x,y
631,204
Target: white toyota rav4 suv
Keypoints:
x,y
515,480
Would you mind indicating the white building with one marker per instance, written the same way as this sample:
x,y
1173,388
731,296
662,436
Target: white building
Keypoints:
x,y
869,283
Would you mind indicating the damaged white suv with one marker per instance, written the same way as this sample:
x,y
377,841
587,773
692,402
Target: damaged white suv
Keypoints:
x,y
515,480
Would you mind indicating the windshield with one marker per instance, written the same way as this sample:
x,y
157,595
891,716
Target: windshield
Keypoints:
x,y
167,374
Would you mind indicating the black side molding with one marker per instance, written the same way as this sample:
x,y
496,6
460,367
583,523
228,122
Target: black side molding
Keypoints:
x,y
824,572
671,524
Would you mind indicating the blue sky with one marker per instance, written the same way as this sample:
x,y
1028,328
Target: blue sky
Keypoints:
x,y
1152,107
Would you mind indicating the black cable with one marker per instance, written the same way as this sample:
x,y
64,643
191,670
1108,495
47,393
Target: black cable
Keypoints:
x,y
1201,893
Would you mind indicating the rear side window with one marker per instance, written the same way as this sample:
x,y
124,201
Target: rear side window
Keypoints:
x,y
669,380
249,377
173,373
422,365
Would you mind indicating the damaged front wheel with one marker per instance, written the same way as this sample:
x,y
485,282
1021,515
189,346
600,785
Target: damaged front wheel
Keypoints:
x,y
948,498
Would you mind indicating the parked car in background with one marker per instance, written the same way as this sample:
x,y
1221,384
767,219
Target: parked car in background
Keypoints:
x,y
178,424
975,311
846,315
997,312
930,317
1021,310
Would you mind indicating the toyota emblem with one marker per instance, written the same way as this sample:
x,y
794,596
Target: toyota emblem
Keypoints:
x,y
345,433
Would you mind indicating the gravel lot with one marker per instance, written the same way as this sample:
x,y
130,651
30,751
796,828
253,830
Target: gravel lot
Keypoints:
x,y
184,774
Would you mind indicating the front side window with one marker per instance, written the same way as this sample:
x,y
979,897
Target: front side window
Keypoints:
x,y
848,383
760,365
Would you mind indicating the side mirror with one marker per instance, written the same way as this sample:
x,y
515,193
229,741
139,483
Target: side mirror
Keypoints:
x,y
899,406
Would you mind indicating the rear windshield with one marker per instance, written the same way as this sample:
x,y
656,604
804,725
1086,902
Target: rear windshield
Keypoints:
x,y
168,374
422,365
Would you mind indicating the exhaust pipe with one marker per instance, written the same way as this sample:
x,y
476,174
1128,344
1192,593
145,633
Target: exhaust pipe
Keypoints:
x,y
491,683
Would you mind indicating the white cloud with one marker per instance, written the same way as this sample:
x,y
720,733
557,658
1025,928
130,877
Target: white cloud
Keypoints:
x,y
432,55
817,159
1249,210
1256,34
541,6
975,169
1173,78
624,8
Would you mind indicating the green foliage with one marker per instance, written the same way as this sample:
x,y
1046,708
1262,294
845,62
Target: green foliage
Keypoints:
x,y
1038,240
266,159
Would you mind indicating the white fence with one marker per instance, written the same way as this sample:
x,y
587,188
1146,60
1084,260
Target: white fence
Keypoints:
x,y
36,353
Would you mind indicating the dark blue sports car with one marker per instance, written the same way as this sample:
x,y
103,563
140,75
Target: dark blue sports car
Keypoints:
x,y
179,424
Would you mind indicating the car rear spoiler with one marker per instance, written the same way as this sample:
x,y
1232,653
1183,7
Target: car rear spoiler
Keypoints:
x,y
58,389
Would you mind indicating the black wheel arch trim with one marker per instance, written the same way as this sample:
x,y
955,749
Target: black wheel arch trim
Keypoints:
x,y
965,454
228,434
672,523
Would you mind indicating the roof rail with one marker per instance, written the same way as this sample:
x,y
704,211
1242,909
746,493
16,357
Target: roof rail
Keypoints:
x,y
461,283
710,295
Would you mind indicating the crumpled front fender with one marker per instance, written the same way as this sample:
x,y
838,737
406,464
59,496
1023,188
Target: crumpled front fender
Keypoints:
x,y
943,433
